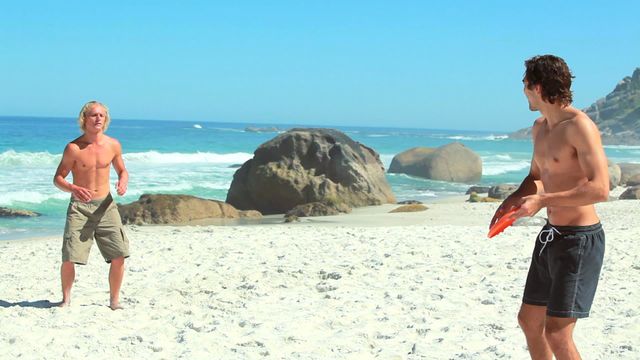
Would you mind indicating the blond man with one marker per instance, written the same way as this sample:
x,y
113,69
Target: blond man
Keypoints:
x,y
92,213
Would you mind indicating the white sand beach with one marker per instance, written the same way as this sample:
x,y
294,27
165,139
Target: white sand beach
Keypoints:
x,y
367,285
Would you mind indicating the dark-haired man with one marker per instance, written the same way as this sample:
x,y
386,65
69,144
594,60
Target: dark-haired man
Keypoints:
x,y
92,213
568,175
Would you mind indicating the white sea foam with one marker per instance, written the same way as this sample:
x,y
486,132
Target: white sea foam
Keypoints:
x,y
622,147
499,168
197,126
13,158
478,138
154,157
33,197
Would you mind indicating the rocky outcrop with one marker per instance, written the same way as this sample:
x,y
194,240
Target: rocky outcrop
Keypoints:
x,y
617,114
614,174
309,165
177,209
474,197
409,208
11,213
632,193
409,202
452,162
502,191
627,171
634,180
478,190
261,129
317,209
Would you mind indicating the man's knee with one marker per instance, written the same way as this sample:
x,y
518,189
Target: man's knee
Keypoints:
x,y
531,318
559,332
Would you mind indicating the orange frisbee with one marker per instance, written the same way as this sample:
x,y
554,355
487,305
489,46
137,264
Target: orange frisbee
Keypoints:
x,y
504,222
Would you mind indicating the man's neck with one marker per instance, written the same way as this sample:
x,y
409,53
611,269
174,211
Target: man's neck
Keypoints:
x,y
94,138
556,114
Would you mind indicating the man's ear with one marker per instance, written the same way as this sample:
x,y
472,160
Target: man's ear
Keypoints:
x,y
537,89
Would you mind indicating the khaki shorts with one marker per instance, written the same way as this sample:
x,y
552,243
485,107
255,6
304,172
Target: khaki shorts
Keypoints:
x,y
97,219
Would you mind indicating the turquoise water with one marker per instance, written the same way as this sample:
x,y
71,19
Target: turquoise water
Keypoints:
x,y
196,158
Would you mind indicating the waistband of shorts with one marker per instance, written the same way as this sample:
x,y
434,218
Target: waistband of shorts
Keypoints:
x,y
92,201
577,229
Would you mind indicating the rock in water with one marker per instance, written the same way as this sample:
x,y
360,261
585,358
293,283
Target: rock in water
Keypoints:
x,y
452,162
309,165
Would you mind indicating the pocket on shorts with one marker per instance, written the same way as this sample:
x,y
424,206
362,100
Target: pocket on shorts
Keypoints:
x,y
569,252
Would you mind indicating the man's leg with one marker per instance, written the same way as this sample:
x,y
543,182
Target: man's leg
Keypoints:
x,y
116,273
559,335
67,275
532,321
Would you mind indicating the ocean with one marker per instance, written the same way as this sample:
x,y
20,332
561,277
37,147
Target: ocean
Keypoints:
x,y
199,158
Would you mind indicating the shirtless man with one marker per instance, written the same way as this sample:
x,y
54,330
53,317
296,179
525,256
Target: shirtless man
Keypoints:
x,y
92,213
568,175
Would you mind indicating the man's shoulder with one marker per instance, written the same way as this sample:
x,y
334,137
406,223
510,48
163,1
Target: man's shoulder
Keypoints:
x,y
582,122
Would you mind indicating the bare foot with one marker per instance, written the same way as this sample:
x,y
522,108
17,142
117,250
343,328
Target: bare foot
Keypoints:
x,y
64,304
116,306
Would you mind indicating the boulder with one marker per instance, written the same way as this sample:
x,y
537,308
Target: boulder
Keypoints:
x,y
317,208
627,171
474,197
309,165
502,191
452,162
614,174
634,180
409,202
8,212
478,190
632,193
176,209
409,208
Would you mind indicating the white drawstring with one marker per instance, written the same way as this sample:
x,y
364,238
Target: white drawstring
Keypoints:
x,y
548,238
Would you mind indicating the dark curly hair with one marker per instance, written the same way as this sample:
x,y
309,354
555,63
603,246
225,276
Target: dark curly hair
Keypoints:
x,y
553,76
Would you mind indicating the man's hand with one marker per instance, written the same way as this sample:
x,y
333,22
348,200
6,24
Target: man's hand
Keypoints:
x,y
82,194
529,206
507,205
121,187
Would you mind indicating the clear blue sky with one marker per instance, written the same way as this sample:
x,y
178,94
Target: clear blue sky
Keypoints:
x,y
448,65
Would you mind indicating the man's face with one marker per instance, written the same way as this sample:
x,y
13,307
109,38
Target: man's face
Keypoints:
x,y
94,119
532,96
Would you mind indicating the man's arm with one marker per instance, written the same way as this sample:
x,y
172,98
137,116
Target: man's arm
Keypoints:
x,y
585,138
121,170
528,186
64,168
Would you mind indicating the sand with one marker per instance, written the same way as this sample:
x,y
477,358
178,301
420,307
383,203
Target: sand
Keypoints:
x,y
370,284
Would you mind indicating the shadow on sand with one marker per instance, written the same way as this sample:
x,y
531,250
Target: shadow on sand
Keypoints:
x,y
39,304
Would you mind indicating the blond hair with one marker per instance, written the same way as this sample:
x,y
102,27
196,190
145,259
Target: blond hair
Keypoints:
x,y
89,105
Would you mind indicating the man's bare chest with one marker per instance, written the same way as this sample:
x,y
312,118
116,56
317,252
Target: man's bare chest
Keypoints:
x,y
553,151
93,158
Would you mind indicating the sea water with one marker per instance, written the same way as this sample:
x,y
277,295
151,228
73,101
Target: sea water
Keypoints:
x,y
199,158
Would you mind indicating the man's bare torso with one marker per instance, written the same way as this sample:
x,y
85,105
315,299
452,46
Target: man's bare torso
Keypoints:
x,y
560,170
91,165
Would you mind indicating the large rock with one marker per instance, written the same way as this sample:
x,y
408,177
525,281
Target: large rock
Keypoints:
x,y
309,165
502,191
176,209
452,162
634,180
627,171
8,212
614,174
632,193
317,208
